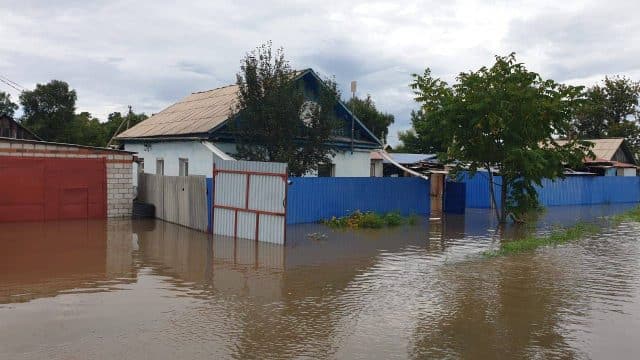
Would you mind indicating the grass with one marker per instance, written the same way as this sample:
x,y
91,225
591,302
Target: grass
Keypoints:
x,y
370,220
560,236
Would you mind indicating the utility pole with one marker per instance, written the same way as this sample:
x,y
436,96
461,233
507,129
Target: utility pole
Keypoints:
x,y
354,85
125,120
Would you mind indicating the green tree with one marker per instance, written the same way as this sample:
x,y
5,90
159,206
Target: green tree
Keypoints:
x,y
118,123
276,120
504,118
7,107
376,121
421,138
86,130
49,110
611,110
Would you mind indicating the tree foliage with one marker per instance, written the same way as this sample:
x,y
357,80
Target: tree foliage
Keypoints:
x,y
611,110
376,121
275,120
503,118
49,111
421,138
7,107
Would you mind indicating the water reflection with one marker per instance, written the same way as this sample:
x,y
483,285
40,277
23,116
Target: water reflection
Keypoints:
x,y
409,292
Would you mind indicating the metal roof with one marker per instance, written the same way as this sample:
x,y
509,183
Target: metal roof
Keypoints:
x,y
196,113
406,158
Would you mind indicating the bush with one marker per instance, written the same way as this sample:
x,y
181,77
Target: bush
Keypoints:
x,y
370,220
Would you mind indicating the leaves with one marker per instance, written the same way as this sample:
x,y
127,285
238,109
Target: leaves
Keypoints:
x,y
376,121
273,120
503,117
7,107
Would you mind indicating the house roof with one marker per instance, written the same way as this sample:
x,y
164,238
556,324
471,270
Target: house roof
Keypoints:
x,y
206,111
406,158
196,113
602,148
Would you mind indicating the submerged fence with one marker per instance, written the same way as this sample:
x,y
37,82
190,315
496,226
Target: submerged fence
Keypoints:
x,y
578,190
178,199
311,199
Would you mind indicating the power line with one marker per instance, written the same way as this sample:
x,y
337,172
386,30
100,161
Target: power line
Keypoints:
x,y
10,85
12,82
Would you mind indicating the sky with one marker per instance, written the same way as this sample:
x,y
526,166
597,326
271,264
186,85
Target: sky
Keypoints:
x,y
149,54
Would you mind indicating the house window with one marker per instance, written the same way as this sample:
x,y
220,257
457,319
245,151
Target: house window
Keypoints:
x,y
326,170
141,165
6,132
184,167
159,166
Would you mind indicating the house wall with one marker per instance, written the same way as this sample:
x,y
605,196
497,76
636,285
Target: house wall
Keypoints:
x,y
200,158
346,164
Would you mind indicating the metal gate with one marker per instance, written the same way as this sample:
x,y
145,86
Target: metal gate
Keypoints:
x,y
37,189
250,200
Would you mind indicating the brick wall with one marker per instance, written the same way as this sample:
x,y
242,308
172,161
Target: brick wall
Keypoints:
x,y
118,167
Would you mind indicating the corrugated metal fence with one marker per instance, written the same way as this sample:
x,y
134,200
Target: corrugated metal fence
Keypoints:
x,y
312,199
249,200
578,190
178,199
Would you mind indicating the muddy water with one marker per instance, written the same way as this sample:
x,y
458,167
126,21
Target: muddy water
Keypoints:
x,y
153,290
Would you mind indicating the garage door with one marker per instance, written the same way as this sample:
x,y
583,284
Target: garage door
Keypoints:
x,y
37,189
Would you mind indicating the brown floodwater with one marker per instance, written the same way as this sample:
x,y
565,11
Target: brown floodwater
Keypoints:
x,y
153,290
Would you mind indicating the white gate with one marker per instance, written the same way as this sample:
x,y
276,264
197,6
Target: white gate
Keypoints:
x,y
250,200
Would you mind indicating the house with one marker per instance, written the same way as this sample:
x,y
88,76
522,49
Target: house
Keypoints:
x,y
613,157
9,128
186,137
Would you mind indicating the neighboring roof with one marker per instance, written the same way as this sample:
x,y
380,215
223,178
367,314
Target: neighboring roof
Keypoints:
x,y
19,125
196,113
205,111
406,158
49,143
602,148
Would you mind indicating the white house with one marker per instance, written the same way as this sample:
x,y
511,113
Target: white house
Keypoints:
x,y
186,137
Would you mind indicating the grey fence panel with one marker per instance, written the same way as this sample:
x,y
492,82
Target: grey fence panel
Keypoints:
x,y
249,200
178,199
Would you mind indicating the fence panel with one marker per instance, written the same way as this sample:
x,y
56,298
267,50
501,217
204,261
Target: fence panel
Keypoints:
x,y
178,199
313,199
249,200
575,190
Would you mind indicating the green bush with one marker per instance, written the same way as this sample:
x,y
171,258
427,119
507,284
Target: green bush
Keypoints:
x,y
369,220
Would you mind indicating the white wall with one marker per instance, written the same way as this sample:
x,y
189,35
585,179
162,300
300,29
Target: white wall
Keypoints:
x,y
200,158
357,164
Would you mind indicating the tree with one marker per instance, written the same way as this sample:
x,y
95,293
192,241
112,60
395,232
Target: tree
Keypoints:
x,y
376,121
504,118
7,107
611,110
274,120
421,138
49,110
117,122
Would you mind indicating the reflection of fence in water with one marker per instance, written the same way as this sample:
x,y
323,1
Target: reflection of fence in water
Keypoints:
x,y
178,199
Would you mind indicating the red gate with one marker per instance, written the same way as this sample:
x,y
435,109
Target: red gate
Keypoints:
x,y
37,189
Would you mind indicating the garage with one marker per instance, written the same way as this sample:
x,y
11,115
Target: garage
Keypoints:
x,y
42,181
33,189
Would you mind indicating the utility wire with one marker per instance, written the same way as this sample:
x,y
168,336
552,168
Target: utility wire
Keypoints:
x,y
6,79
10,84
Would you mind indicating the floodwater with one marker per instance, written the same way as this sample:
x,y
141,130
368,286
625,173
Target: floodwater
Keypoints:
x,y
154,290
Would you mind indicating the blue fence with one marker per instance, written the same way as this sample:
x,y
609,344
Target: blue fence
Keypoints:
x,y
578,190
313,199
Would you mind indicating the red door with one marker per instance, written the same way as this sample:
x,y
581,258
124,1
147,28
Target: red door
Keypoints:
x,y
51,188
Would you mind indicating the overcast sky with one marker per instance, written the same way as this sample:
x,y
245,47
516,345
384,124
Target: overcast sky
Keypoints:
x,y
150,54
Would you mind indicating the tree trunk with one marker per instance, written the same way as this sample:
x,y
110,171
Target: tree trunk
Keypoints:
x,y
492,194
503,200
